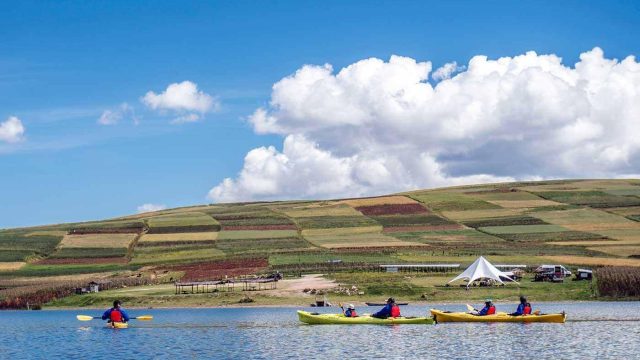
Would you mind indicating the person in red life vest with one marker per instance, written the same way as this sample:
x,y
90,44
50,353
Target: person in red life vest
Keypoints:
x,y
116,313
351,311
389,310
524,308
489,308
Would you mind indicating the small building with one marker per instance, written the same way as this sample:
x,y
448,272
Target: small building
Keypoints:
x,y
81,290
94,287
584,274
98,285
419,267
504,267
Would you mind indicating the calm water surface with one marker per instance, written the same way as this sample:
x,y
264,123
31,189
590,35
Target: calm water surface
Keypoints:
x,y
594,330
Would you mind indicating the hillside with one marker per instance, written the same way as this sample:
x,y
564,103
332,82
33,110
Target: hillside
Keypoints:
x,y
576,222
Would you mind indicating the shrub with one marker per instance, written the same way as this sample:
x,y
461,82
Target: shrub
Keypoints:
x,y
618,282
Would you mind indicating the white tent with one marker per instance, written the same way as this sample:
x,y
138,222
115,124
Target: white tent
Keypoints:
x,y
482,269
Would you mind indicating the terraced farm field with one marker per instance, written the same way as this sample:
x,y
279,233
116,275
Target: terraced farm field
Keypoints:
x,y
182,222
576,222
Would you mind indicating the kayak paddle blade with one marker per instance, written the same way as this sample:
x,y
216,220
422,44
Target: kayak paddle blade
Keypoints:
x,y
470,308
85,317
144,317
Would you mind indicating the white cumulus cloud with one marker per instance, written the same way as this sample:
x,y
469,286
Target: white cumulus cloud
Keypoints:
x,y
379,126
114,116
150,207
182,99
446,71
11,130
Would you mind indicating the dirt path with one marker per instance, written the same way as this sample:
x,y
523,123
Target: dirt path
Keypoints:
x,y
294,287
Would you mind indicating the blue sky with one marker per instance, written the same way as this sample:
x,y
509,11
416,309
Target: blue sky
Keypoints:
x,y
62,64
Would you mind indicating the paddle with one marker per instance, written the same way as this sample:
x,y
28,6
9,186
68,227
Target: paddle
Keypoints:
x,y
87,317
471,308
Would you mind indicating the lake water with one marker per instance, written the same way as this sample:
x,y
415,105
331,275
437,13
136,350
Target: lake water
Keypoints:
x,y
603,330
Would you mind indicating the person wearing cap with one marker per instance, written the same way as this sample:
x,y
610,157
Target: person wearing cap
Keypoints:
x,y
351,311
524,308
488,309
116,313
389,310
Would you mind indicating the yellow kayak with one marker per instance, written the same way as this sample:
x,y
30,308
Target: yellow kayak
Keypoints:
x,y
444,316
316,319
117,325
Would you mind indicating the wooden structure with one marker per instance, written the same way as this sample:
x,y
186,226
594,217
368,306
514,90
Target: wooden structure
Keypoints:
x,y
195,287
255,284
419,267
504,267
248,284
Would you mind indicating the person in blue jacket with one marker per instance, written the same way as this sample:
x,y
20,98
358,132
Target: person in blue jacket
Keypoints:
x,y
489,308
116,313
524,308
389,310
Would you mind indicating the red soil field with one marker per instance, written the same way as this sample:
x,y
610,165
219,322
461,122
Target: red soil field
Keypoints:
x,y
215,270
392,209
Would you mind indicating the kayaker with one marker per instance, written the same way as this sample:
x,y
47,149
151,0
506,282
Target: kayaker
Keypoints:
x,y
488,309
351,311
116,313
389,310
524,308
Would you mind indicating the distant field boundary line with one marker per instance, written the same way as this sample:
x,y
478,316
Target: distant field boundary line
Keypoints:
x,y
134,243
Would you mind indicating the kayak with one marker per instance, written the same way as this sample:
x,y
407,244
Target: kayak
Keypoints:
x,y
117,325
445,316
317,319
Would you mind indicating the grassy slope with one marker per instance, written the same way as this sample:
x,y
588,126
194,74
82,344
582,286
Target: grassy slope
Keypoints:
x,y
581,222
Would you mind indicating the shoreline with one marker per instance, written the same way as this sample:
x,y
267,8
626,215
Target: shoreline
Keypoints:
x,y
357,304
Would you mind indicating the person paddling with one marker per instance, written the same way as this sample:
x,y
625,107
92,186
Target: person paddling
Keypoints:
x,y
389,310
116,313
524,308
351,311
488,309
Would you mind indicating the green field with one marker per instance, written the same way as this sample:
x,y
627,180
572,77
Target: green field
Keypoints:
x,y
451,201
20,246
189,221
522,229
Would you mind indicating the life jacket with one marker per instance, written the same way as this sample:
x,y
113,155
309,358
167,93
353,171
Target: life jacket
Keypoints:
x,y
115,316
527,309
395,311
352,313
491,310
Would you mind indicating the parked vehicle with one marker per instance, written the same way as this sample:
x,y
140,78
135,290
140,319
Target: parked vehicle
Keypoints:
x,y
584,274
555,273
